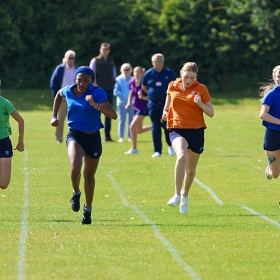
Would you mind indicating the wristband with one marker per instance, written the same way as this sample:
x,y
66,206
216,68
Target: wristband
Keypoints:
x,y
54,117
97,106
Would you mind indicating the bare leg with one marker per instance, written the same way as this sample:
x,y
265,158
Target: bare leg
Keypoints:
x,y
273,159
5,172
136,127
180,146
190,171
185,166
89,179
75,154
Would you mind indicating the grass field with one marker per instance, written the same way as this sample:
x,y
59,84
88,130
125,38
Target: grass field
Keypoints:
x,y
232,229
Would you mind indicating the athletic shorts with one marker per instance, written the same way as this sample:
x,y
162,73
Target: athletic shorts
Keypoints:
x,y
91,143
194,137
141,112
6,149
271,140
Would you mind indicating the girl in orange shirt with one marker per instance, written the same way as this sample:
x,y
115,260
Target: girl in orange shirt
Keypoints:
x,y
186,102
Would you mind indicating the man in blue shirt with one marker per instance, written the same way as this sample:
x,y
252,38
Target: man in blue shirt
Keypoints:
x,y
155,82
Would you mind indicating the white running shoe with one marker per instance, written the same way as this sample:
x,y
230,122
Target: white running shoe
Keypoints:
x,y
131,151
268,176
171,151
174,200
156,154
120,140
184,205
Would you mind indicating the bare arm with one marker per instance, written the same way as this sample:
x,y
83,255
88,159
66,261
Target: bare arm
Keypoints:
x,y
128,104
206,107
166,107
145,88
264,115
105,107
17,117
56,105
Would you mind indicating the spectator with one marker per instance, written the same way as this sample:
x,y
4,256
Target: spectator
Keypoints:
x,y
105,77
63,75
121,91
155,82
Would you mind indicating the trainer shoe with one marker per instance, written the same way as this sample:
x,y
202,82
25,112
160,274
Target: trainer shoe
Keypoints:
x,y
184,205
174,200
131,151
268,176
86,216
156,154
171,151
75,202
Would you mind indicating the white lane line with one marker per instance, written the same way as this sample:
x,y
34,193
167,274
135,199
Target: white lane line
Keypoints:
x,y
210,191
24,223
156,231
252,211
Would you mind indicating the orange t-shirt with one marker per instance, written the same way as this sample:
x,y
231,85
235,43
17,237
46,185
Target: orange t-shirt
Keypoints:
x,y
183,111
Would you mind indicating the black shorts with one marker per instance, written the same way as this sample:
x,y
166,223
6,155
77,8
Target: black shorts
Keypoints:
x,y
141,112
91,143
6,148
194,137
271,140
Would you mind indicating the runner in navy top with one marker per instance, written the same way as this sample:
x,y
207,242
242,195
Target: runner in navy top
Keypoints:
x,y
85,104
270,114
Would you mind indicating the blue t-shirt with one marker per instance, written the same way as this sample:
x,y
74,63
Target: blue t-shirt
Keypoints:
x,y
272,99
157,83
81,116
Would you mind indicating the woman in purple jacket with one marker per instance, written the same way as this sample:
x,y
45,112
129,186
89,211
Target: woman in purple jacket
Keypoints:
x,y
139,100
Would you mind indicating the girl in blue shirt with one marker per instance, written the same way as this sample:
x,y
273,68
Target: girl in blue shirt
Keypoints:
x,y
270,114
85,104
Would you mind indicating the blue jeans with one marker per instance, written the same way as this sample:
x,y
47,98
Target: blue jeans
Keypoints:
x,y
155,113
123,113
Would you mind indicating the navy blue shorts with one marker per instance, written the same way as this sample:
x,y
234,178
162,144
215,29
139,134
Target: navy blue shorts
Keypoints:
x,y
91,143
271,140
6,148
141,112
194,137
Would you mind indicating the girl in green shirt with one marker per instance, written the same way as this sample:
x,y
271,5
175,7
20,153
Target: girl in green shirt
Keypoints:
x,y
6,151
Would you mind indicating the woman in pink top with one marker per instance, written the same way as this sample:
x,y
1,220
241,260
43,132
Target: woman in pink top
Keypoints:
x,y
186,102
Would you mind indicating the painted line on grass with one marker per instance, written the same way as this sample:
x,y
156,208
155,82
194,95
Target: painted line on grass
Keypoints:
x,y
252,211
156,231
24,223
210,191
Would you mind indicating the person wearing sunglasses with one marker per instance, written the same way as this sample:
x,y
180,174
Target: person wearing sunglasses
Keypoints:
x,y
155,82
63,75
121,91
105,77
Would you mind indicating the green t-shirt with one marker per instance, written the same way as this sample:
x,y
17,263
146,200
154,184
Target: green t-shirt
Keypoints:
x,y
6,109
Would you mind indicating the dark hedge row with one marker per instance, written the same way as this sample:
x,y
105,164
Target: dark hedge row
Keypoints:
x,y
235,43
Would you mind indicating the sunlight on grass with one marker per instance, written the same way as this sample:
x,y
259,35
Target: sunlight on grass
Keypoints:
x,y
134,234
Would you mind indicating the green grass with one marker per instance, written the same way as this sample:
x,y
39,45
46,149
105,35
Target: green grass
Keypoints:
x,y
134,234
